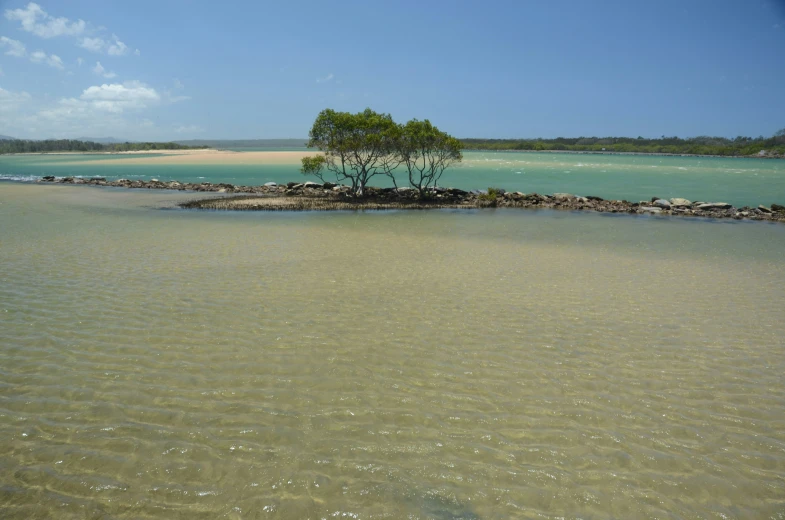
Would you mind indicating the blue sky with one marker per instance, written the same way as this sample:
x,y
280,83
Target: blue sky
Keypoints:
x,y
196,69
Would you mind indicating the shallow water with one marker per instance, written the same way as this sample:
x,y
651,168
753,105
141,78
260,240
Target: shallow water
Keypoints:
x,y
633,177
446,364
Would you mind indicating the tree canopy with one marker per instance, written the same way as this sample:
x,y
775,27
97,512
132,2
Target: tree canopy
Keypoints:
x,y
358,147
426,152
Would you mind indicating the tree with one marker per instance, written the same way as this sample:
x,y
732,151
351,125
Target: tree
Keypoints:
x,y
355,147
426,152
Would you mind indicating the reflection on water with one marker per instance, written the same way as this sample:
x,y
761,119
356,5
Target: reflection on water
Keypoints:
x,y
170,364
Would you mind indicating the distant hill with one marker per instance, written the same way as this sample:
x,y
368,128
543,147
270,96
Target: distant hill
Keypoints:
x,y
6,138
246,143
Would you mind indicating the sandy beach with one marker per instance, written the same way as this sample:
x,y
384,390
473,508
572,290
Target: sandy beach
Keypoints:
x,y
204,156
208,156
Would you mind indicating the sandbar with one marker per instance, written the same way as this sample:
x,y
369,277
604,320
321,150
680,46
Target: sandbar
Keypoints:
x,y
209,156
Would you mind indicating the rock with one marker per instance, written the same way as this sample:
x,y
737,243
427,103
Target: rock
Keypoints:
x,y
295,186
561,197
662,203
744,213
48,178
650,209
581,199
595,199
154,180
271,184
403,189
715,205
328,185
654,199
777,207
676,201
310,184
764,209
98,179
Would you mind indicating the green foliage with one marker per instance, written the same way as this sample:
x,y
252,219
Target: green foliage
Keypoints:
x,y
71,145
701,145
356,147
426,152
492,195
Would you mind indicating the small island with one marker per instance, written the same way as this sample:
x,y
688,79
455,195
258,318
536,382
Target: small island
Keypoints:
x,y
327,196
353,148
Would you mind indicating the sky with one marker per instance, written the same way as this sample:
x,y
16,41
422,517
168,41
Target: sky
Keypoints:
x,y
177,69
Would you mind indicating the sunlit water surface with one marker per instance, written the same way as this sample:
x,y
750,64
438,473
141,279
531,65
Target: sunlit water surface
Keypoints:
x,y
482,364
738,181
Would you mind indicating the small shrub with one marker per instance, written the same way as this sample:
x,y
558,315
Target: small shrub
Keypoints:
x,y
491,196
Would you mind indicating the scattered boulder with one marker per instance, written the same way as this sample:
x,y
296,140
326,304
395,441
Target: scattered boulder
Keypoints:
x,y
271,184
777,207
562,197
715,205
679,202
764,209
650,209
311,184
662,203
48,178
595,199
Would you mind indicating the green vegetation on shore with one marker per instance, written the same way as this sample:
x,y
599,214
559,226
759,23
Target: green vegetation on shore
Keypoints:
x,y
358,147
702,145
71,145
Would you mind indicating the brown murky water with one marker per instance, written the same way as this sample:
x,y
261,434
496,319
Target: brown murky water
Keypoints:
x,y
486,364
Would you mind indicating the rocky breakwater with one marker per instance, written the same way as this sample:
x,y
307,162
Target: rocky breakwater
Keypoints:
x,y
304,196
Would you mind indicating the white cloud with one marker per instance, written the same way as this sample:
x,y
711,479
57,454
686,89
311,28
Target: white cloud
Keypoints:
x,y
189,129
52,60
101,71
178,84
79,61
37,21
55,61
15,47
137,53
92,44
325,79
117,97
12,101
118,48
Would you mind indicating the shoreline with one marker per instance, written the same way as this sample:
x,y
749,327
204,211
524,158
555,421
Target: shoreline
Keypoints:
x,y
313,196
611,152
222,151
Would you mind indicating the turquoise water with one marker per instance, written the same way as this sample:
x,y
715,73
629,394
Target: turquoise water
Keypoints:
x,y
737,181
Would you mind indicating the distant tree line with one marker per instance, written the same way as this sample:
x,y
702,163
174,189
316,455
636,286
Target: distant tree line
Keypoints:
x,y
701,145
71,145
